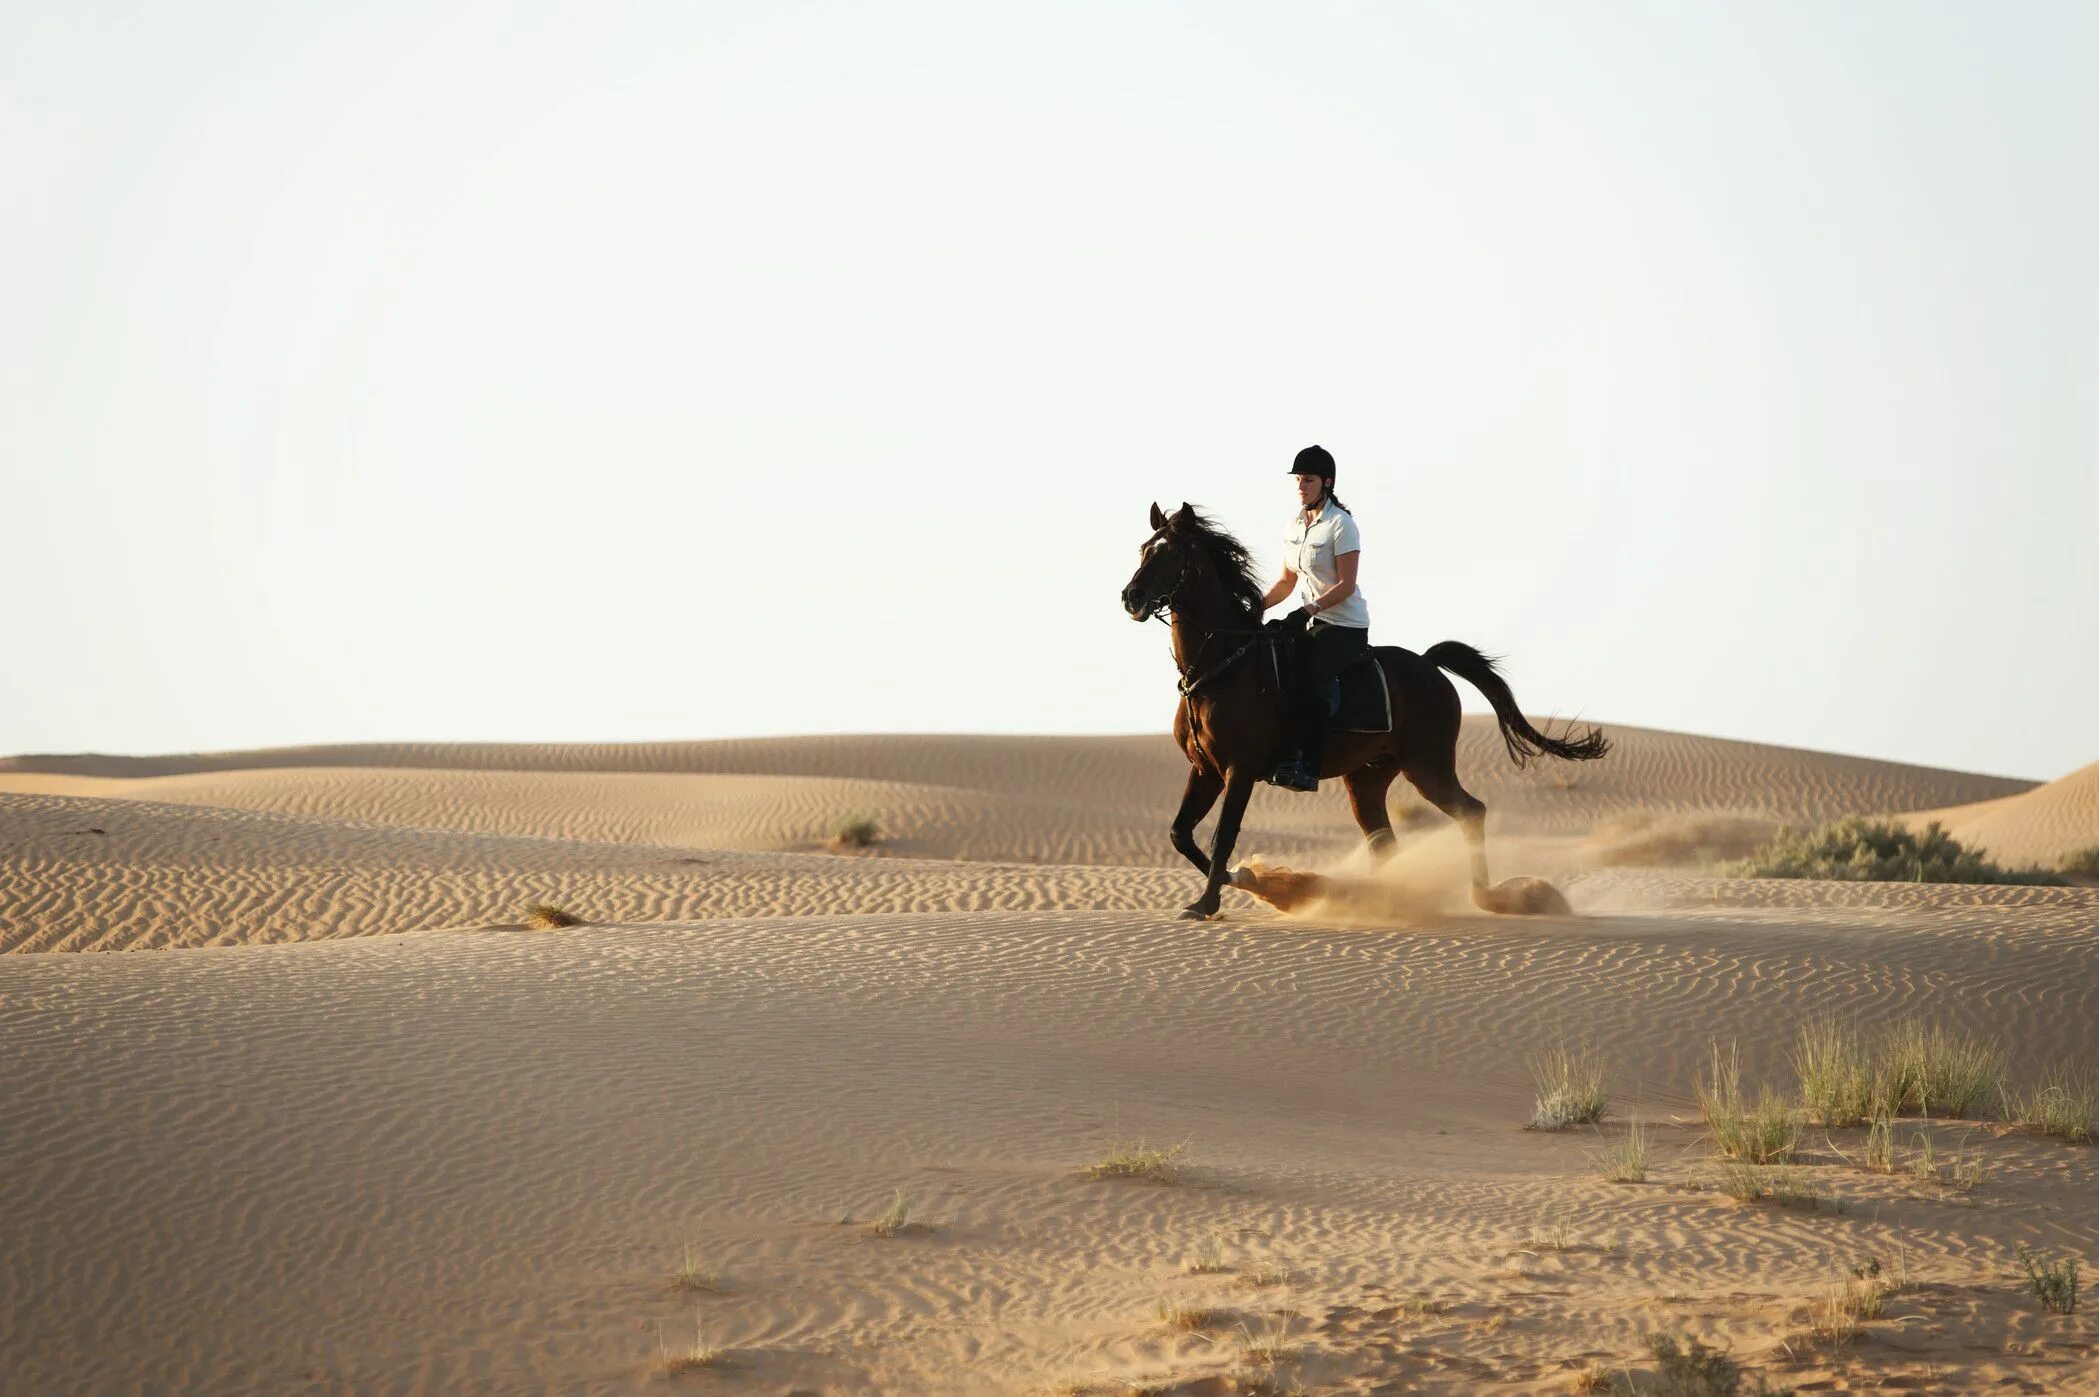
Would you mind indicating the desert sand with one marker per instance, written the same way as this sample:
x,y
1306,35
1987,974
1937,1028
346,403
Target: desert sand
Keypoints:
x,y
344,1123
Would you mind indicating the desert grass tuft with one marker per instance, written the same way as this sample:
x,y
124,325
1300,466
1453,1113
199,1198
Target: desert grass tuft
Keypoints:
x,y
682,1359
1780,1184
2053,1283
1836,1073
545,916
1571,1088
1843,1309
1624,1160
1175,1315
1266,1273
857,832
1940,1071
1880,1144
692,1275
2065,1105
1761,1132
1209,1257
1135,1159
1271,1343
2082,864
894,1219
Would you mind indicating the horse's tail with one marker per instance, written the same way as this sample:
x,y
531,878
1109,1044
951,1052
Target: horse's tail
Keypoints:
x,y
1517,734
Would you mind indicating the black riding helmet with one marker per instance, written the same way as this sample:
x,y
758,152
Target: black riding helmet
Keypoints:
x,y
1314,460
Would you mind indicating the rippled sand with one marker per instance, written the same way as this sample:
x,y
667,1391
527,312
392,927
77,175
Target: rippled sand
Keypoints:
x,y
369,1134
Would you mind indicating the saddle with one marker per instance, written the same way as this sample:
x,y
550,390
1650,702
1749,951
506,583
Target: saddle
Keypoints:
x,y
1356,701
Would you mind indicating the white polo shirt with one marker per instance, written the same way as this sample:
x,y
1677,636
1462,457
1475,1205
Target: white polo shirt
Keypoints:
x,y
1309,551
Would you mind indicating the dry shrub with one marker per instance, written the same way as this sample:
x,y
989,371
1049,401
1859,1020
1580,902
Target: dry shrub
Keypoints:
x,y
1571,1088
1134,1159
545,916
857,832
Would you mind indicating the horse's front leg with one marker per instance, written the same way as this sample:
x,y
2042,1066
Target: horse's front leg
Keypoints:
x,y
1238,786
1203,785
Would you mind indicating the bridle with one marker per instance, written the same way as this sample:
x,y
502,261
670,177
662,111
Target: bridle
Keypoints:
x,y
1190,681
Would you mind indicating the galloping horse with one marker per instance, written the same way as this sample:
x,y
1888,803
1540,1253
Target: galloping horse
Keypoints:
x,y
1230,717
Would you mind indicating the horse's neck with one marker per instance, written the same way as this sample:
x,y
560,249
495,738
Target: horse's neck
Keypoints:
x,y
1196,625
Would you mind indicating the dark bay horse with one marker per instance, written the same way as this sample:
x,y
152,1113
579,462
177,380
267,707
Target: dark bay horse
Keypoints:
x,y
1230,717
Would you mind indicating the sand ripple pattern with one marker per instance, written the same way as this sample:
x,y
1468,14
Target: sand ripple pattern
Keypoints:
x,y
466,1160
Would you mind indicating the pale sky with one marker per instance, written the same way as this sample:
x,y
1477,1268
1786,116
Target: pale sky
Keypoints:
x,y
619,371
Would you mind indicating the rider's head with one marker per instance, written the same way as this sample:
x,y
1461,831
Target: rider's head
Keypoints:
x,y
1314,469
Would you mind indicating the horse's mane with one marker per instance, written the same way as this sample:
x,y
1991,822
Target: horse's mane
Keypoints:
x,y
1228,557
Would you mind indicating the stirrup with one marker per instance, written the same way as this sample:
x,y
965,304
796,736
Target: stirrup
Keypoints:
x,y
1292,776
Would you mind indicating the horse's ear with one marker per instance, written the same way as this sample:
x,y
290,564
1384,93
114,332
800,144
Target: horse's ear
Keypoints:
x,y
1158,519
1187,511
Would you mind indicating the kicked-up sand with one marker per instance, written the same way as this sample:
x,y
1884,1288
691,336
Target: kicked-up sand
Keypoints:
x,y
339,1121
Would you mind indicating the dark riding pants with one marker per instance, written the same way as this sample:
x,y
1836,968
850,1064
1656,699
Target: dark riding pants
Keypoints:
x,y
1325,652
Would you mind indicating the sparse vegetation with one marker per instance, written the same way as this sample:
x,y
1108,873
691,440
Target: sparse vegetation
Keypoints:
x,y
2082,864
1135,1159
692,1275
1762,1132
2065,1105
1175,1315
1624,1161
894,1219
684,1360
1571,1088
1880,1143
857,831
1843,1309
1858,850
1690,1369
1836,1073
1271,1343
1772,1183
1209,1257
545,916
1266,1273
2053,1283
1940,1071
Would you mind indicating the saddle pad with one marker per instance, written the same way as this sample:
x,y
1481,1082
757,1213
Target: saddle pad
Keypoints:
x,y
1358,699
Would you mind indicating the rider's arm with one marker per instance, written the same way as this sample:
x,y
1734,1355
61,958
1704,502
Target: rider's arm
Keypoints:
x,y
1280,590
1344,582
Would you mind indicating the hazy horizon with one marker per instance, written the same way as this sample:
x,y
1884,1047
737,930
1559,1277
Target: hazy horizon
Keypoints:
x,y
472,373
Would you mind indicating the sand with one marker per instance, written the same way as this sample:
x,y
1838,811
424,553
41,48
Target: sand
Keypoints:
x,y
350,1127
2042,826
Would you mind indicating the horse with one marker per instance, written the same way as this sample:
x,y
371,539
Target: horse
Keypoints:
x,y
1229,722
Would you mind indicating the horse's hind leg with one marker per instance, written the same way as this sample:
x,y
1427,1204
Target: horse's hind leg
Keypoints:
x,y
1367,786
1439,787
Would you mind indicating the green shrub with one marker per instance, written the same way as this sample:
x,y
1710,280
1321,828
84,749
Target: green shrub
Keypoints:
x,y
2082,864
1858,850
858,832
2053,1283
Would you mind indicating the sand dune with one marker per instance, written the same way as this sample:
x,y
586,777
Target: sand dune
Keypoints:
x,y
430,1151
2042,826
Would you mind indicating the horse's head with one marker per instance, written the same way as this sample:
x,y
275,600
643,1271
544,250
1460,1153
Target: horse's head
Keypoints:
x,y
1163,563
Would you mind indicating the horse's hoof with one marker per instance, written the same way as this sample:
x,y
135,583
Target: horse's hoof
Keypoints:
x,y
1194,912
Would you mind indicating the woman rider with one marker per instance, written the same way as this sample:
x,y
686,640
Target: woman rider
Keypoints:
x,y
1320,554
